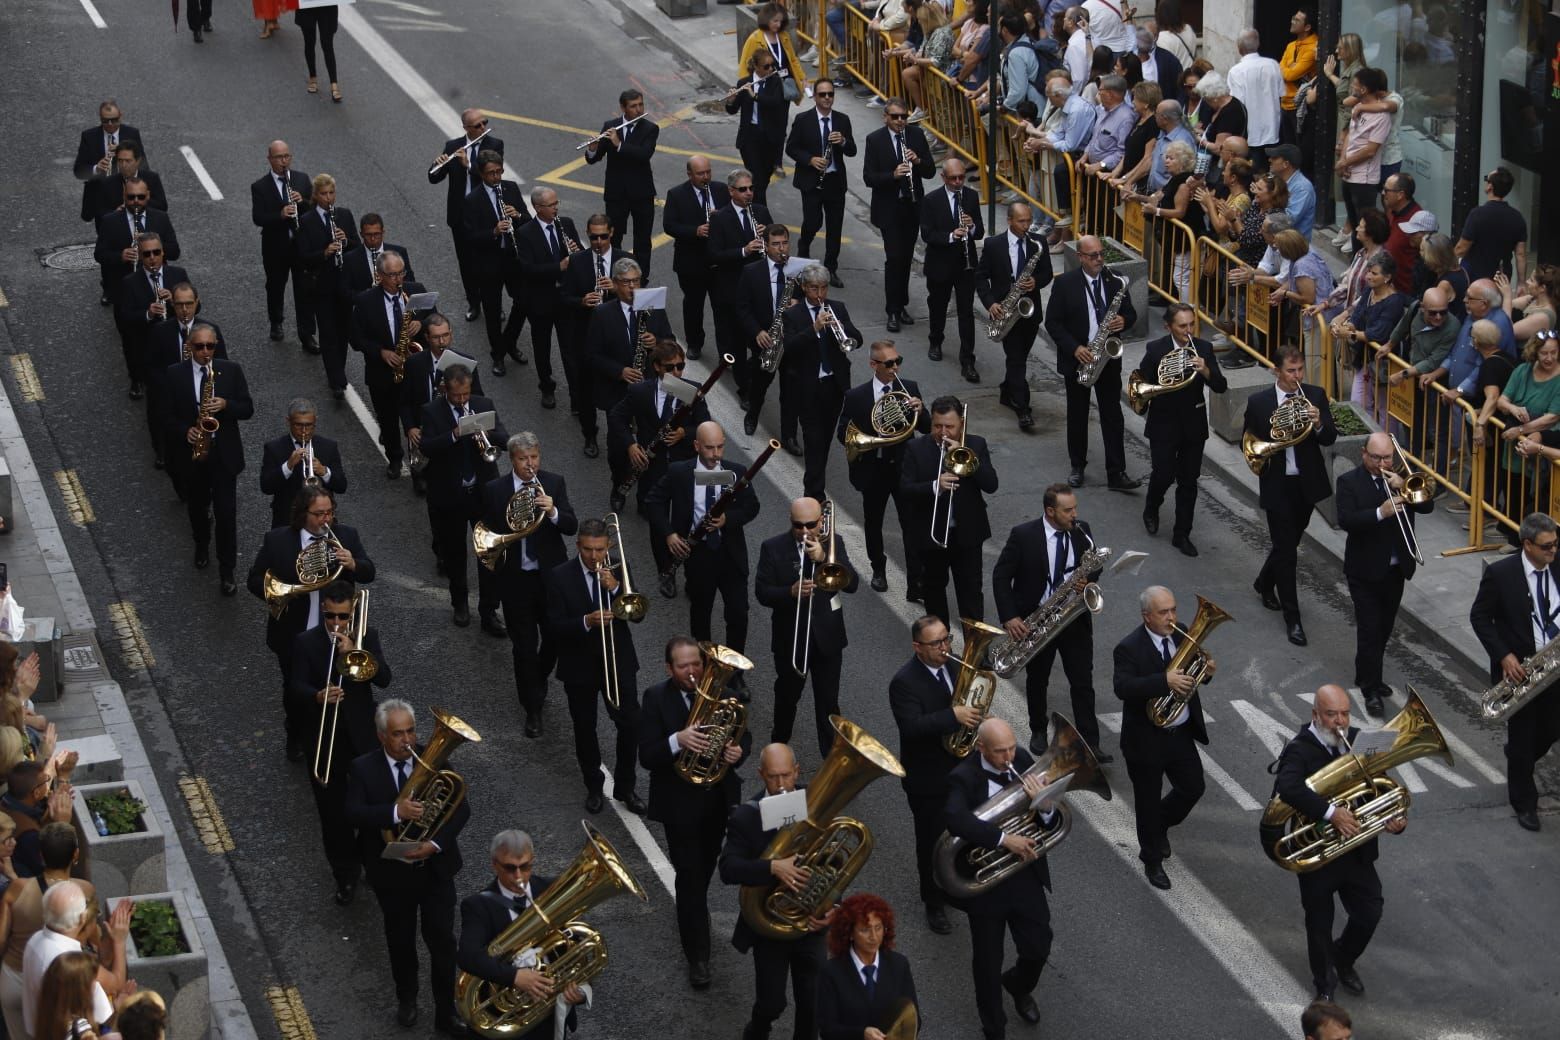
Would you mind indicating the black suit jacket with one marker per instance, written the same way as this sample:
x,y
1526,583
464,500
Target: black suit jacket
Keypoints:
x,y
844,1011
420,385
355,733
579,281
1301,757
283,490
634,420
457,177
101,195
1372,542
670,506
309,244
877,172
770,129
451,457
742,860
135,296
727,241
181,408
945,259
1023,571
1184,410
755,300
967,790
1503,609
1139,677
609,346
483,915
478,219
580,660
165,345
805,348
883,463
1308,453
265,209
805,143
357,269
91,149
682,218
673,800
779,567
370,807
919,469
994,273
923,709
279,555
540,274
1067,321
113,238
371,333
629,176
546,543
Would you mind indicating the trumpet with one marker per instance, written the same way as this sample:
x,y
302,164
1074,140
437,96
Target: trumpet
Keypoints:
x,y
445,160
828,576
831,321
961,462
1416,491
310,481
608,131
628,605
358,665
485,447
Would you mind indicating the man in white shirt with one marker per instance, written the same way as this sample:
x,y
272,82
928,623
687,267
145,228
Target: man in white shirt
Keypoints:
x,y
1258,83
1111,23
67,924
1079,53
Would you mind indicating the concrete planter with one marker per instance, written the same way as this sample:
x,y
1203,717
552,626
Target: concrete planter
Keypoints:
x,y
121,864
1135,270
181,979
1343,455
682,8
1227,411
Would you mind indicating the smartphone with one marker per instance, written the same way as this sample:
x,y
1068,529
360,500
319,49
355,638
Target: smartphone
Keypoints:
x,y
1204,161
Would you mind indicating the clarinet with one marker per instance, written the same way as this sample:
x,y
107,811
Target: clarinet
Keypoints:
x,y
330,225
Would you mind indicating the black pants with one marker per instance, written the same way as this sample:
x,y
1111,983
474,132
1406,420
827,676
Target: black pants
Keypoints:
x,y
1530,733
213,492
964,561
1015,350
709,572
1076,647
1172,756
773,962
497,278
728,330
625,717
823,669
1177,456
899,236
1031,931
881,483
297,720
470,270
525,612
324,20
962,289
1286,526
451,526
694,850
1355,882
576,372
1375,612
199,13
642,211
928,815
542,326
758,383
695,287
1357,198
826,210
403,896
818,412
384,395
334,317
279,266
1107,394
760,158
341,847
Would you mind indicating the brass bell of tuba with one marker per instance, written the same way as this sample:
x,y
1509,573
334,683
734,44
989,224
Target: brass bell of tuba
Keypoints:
x,y
976,685
440,790
723,719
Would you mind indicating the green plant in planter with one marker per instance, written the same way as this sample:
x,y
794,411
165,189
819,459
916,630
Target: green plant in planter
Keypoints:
x,y
116,812
1114,253
1348,420
155,929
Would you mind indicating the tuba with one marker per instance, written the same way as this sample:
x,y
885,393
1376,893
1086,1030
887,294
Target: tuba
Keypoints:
x,y
567,950
317,567
964,870
1504,698
521,516
833,848
976,687
893,420
1058,610
1359,784
723,719
1190,658
1289,425
440,790
1175,372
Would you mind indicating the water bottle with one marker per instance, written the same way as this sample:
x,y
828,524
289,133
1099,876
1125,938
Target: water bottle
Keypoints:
x,y
100,823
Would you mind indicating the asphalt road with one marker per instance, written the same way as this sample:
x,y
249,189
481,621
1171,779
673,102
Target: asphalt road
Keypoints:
x,y
1465,949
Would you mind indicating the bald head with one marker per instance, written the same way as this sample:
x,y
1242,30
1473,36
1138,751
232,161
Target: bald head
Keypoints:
x,y
1330,709
994,732
699,170
1434,299
805,509
777,769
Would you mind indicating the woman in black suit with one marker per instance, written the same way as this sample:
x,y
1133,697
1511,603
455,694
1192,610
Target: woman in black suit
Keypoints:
x,y
866,983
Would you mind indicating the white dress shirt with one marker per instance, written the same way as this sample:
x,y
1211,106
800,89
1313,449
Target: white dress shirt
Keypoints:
x,y
1071,563
828,151
1530,573
287,468
1291,467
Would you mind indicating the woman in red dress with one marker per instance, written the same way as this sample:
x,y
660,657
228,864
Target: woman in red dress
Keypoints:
x,y
270,12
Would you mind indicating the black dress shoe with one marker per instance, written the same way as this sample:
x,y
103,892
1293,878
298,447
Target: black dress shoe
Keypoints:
x,y
339,394
905,319
879,582
517,357
493,625
198,37
749,424
1101,757
498,367
1527,819
1349,979
228,586
792,447
590,449
295,749
1028,1010
474,312
393,469
137,391
276,333
1150,522
694,353
1026,419
699,974
668,583
969,373
310,343
617,501
913,594
345,893
549,401
1157,876
1373,706
633,803
1324,995
934,352
834,280
893,323
1297,634
937,919
406,1013
451,1027
462,617
1119,481
159,463
594,803
104,301
1075,478
533,724
202,558
1269,597
1183,543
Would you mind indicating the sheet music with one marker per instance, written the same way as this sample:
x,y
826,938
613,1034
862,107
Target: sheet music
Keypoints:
x,y
470,424
717,477
650,299
449,357
780,810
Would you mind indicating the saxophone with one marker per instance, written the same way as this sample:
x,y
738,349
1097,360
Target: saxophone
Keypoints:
x,y
1016,304
403,342
1504,698
1104,347
1058,610
769,359
206,424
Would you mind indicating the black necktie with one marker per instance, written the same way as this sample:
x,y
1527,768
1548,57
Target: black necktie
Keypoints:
x,y
869,973
498,203
395,306
827,149
1545,613
552,241
1164,648
779,286
704,202
1059,563
595,594
666,407
205,381
1007,776
713,538
281,182
942,673
140,223
1098,293
519,903
1381,486
1023,257
400,776
747,229
899,148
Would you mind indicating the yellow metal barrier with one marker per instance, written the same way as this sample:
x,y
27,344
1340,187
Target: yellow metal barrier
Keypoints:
x,y
1030,174
863,56
953,119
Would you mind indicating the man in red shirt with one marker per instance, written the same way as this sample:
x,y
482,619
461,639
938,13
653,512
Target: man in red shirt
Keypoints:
x,y
1397,196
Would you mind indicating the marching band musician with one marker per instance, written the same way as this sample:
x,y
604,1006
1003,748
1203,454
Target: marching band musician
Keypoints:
x,y
285,461
897,158
313,692
165,346
1003,260
614,336
121,227
1018,903
920,695
360,269
801,610
142,297
759,291
325,234
950,226
101,195
759,104
629,186
457,167
1155,754
1352,876
687,222
1290,484
1324,1020
815,369
580,596
519,576
421,881
98,144
1177,423
493,213
585,286
276,199
1515,614
694,815
819,143
456,470
677,507
1040,558
875,473
421,382
313,519
379,317
634,426
545,246
866,980
925,482
485,914
736,239
211,483
742,862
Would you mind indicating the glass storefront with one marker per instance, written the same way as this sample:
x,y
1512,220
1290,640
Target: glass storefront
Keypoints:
x,y
1515,84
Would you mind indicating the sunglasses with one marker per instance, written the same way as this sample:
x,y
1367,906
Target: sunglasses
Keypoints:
x,y
892,362
803,525
1433,312
136,198
678,367
514,868
1546,546
821,94
897,116
151,252
110,122
334,616
601,238
744,188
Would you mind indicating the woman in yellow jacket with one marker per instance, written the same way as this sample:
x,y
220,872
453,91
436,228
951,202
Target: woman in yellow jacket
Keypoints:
x,y
771,35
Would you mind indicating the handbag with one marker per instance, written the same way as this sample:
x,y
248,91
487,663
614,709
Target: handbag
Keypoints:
x,y
793,92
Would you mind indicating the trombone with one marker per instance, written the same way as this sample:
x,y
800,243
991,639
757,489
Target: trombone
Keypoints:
x,y
628,605
961,462
358,665
828,576
1415,491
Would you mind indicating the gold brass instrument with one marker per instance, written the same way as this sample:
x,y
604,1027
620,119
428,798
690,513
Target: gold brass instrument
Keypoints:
x,y
1289,425
1175,372
1358,783
403,339
828,576
206,424
627,605
317,567
964,870
1018,304
769,358
722,719
1058,610
567,950
440,790
831,321
1191,658
830,847
906,1024
976,686
358,665
1417,489
962,462
1105,347
893,420
521,515
1504,698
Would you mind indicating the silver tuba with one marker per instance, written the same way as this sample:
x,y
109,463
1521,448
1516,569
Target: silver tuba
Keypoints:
x,y
1104,347
1058,610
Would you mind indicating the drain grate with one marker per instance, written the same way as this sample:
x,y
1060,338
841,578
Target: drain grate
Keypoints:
x,y
68,258
83,660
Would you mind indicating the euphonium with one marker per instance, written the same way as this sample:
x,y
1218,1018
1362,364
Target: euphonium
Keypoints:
x,y
522,517
831,847
722,719
1175,372
1058,610
1504,698
1191,658
976,686
964,870
1358,783
317,567
440,790
1290,424
893,422
567,949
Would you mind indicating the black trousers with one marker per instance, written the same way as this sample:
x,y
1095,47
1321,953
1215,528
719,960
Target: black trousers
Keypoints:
x,y
1173,756
928,815
642,212
881,483
402,899
384,395
965,563
542,326
823,668
576,372
452,536
213,492
760,158
1375,612
1355,882
899,237
818,411
962,289
823,209
695,287
497,278
470,270
1015,350
199,13
525,611
341,847
773,962
1076,647
582,712
758,384
297,720
1177,456
279,267
728,330
1107,394
1031,931
1286,526
710,573
694,850
1530,733
324,20
333,315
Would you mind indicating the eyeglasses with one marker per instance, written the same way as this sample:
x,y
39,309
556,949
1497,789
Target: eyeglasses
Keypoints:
x,y
600,238
137,198
1379,458
1546,546
1092,256
514,868
151,252
743,188
892,362
114,121
821,94
803,525
476,125
678,367
896,116
345,615
1433,312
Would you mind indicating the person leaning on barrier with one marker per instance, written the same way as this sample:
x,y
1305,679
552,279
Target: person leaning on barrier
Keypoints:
x,y
1424,337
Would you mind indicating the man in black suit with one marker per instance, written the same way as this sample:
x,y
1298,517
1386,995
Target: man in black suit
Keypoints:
x,y
1514,614
586,285
1177,423
1004,259
286,461
759,103
1351,877
897,159
1154,754
420,880
580,597
520,571
143,299
211,482
1290,484
360,271
104,194
1041,557
635,443
275,200
629,188
815,369
819,143
954,506
1079,300
546,245
457,166
326,232
614,341
694,815
687,221
1017,905
165,346
379,316
788,590
94,160
1377,559
679,506
734,242
742,862
875,471
320,689
950,226
313,514
421,382
760,291
494,212
456,471
920,695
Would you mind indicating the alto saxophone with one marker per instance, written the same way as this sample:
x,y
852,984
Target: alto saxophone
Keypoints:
x,y
206,424
1017,304
403,342
769,359
1104,347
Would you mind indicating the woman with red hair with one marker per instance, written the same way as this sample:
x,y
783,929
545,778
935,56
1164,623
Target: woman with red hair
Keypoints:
x,y
866,984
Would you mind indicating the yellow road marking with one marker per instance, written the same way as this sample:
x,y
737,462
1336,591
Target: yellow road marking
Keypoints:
x,y
209,824
132,640
26,377
3,301
292,1020
75,497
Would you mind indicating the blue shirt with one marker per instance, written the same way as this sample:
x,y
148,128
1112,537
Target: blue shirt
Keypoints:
x,y
1020,66
1302,203
1157,175
1077,124
1462,364
1111,130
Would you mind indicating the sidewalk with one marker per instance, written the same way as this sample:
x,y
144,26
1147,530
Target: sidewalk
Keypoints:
x,y
1435,603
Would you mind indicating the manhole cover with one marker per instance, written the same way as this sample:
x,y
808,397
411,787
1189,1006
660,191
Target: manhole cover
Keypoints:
x,y
69,258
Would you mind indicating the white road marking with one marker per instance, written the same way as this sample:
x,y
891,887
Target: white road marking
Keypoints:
x,y
1273,733
1236,792
366,417
401,5
92,13
1465,754
643,838
419,25
200,172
